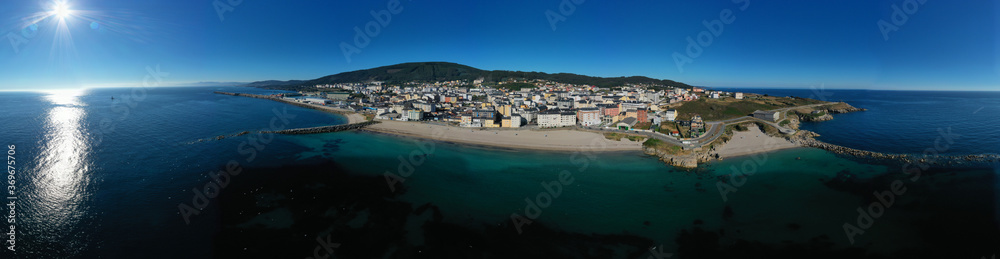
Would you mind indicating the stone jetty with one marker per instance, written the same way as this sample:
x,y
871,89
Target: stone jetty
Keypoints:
x,y
299,131
323,129
279,99
806,139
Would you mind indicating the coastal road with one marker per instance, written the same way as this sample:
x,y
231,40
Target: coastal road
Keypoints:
x,y
718,126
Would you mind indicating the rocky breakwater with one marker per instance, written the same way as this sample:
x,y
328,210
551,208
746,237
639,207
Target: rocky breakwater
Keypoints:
x,y
806,139
687,160
300,104
323,129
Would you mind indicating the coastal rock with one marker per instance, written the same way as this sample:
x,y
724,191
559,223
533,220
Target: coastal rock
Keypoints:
x,y
825,117
845,110
684,161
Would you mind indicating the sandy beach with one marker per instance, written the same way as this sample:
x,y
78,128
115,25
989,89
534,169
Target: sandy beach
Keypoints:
x,y
752,141
553,140
354,117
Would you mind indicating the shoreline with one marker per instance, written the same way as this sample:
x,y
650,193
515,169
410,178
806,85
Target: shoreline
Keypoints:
x,y
752,141
567,140
351,116
548,140
487,147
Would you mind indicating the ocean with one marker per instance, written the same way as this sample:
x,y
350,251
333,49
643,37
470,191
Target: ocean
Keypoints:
x,y
906,122
139,176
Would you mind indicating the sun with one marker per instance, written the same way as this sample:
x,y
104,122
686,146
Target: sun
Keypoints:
x,y
61,10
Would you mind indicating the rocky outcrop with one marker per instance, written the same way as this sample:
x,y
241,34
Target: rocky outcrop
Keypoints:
x,y
809,118
823,113
682,161
847,109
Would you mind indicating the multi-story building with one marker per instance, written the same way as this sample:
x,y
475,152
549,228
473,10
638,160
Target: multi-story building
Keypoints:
x,y
549,119
414,115
670,115
567,119
624,106
610,109
588,116
425,107
466,120
483,113
515,121
640,115
504,109
565,103
697,123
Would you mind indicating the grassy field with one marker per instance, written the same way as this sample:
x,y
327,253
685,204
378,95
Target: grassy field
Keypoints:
x,y
663,146
728,108
619,136
668,126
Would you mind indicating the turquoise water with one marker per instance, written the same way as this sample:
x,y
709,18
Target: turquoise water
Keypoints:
x,y
907,122
635,194
116,193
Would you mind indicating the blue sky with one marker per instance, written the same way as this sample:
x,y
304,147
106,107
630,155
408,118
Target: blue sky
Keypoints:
x,y
943,45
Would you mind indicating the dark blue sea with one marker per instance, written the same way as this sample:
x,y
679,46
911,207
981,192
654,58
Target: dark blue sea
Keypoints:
x,y
144,175
906,122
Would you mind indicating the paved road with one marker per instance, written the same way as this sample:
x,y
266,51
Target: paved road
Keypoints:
x,y
717,127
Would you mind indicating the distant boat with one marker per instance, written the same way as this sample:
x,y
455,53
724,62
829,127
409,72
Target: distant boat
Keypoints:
x,y
112,98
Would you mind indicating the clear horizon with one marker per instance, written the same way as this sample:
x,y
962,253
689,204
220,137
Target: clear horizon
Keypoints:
x,y
873,45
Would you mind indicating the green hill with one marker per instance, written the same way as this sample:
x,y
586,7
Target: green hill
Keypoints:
x,y
444,71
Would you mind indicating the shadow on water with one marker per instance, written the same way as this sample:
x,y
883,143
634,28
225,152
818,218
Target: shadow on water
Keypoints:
x,y
281,212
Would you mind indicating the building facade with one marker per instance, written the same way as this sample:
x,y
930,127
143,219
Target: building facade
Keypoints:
x,y
589,116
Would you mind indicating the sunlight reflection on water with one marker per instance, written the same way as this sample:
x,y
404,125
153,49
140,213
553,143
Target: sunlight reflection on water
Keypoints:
x,y
62,178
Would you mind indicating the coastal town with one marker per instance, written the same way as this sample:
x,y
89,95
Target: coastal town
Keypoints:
x,y
683,126
526,104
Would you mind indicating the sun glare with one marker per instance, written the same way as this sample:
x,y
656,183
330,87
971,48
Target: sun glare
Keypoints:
x,y
61,10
